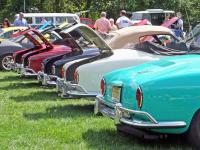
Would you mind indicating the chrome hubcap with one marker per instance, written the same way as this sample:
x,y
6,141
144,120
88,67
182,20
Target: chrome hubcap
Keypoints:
x,y
6,62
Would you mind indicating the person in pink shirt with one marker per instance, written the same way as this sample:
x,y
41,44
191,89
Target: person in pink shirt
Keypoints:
x,y
102,25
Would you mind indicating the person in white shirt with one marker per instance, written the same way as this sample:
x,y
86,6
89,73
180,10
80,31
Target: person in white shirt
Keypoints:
x,y
180,21
123,21
179,26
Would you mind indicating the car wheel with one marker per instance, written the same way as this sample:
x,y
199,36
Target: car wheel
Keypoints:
x,y
5,62
194,131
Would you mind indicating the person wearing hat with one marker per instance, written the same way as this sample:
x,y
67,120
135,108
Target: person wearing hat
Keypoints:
x,y
20,21
123,21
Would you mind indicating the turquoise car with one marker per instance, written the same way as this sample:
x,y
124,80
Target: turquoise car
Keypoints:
x,y
161,97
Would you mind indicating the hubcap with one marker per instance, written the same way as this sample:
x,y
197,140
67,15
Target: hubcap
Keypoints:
x,y
6,62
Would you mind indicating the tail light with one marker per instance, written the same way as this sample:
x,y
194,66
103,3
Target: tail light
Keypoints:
x,y
76,76
62,72
139,97
103,86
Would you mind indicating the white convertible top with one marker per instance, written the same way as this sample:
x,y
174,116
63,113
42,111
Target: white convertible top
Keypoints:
x,y
132,34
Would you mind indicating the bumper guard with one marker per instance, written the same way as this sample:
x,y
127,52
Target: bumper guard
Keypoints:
x,y
119,114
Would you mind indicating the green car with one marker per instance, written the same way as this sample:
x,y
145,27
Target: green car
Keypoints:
x,y
160,97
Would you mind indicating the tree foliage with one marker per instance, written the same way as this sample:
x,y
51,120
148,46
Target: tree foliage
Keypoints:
x,y
189,8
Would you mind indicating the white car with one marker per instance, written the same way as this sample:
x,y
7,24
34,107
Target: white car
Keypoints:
x,y
86,82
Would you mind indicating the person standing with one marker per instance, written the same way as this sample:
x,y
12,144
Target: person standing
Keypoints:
x,y
112,23
179,25
20,21
123,21
102,25
6,23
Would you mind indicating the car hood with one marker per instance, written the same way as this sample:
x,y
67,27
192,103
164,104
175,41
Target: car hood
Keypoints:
x,y
92,36
164,68
4,45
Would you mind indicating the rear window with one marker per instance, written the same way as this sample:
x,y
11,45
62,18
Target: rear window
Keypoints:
x,y
70,19
29,20
87,22
40,20
60,20
137,16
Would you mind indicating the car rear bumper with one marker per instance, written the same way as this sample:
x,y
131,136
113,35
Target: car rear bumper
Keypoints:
x,y
16,67
28,72
71,90
119,114
46,80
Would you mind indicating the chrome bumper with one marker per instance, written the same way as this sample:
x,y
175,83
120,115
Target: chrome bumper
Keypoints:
x,y
27,72
119,114
59,84
46,79
71,90
16,67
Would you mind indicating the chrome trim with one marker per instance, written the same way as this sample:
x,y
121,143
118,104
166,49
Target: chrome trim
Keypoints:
x,y
59,84
27,72
106,109
70,89
46,79
102,107
16,67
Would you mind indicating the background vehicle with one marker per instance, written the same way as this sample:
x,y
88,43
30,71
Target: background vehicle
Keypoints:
x,y
36,19
88,22
155,16
6,33
128,55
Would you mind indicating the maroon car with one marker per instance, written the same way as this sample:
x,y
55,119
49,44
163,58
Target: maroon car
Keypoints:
x,y
28,62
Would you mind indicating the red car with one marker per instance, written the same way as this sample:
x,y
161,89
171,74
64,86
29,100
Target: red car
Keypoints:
x,y
30,60
88,22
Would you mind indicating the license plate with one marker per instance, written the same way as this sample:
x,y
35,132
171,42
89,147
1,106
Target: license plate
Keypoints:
x,y
116,92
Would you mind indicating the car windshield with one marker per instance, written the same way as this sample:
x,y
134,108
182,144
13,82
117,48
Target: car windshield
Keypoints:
x,y
164,44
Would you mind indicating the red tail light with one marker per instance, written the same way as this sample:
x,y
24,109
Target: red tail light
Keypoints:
x,y
76,76
103,86
139,97
62,72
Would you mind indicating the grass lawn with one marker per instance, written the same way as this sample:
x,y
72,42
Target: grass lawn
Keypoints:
x,y
32,117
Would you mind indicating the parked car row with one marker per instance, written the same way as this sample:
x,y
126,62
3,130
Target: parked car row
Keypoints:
x,y
143,77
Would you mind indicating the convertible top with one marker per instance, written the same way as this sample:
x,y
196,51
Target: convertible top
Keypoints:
x,y
132,34
150,47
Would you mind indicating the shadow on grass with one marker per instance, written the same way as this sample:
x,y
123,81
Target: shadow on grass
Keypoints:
x,y
14,78
37,96
21,85
62,112
111,139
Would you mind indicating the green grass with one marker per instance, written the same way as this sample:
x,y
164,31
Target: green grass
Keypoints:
x,y
32,117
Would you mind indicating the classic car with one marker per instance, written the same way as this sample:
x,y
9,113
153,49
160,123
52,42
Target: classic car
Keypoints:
x,y
6,33
52,35
33,63
50,73
88,21
30,61
160,96
52,67
31,43
129,55
20,42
